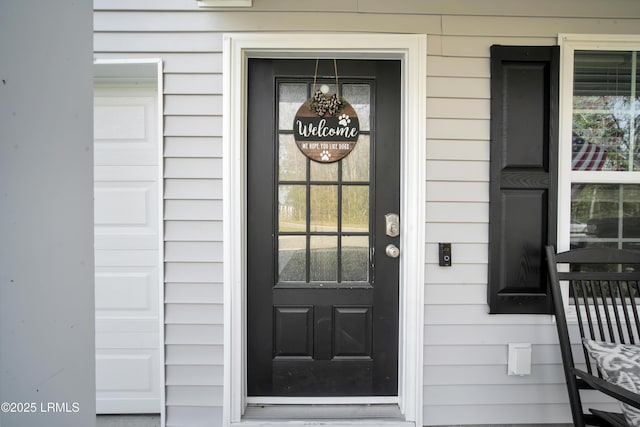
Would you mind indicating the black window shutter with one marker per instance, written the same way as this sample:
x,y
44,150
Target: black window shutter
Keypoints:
x,y
523,185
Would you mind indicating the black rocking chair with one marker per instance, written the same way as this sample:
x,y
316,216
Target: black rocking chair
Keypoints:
x,y
604,289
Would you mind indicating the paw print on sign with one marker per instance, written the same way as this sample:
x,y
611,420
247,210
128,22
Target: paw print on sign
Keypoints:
x,y
325,156
344,120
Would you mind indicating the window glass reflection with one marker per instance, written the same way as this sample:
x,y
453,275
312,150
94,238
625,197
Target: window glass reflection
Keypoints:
x,y
605,121
355,258
292,163
292,208
291,97
605,214
359,95
323,259
324,208
355,208
355,167
292,259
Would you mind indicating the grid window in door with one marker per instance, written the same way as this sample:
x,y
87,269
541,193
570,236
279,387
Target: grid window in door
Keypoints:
x,y
323,221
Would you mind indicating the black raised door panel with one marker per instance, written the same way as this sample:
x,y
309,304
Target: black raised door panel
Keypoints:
x,y
322,296
523,185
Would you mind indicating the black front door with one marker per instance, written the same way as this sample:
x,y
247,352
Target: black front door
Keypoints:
x,y
322,290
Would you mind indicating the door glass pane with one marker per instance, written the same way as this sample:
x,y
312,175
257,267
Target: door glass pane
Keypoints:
x,y
355,167
292,208
355,208
324,208
355,258
359,95
331,85
323,259
324,171
322,205
291,96
292,259
293,164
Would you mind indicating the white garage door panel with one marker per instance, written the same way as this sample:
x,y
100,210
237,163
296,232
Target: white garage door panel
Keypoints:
x,y
128,257
127,382
137,286
121,206
126,214
125,173
117,121
127,251
114,240
118,336
136,371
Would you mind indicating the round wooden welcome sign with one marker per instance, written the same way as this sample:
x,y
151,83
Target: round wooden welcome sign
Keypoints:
x,y
326,128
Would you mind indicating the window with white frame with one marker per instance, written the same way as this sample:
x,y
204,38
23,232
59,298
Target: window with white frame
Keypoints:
x,y
599,164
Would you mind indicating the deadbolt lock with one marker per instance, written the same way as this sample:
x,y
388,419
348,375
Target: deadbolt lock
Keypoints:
x,y
392,224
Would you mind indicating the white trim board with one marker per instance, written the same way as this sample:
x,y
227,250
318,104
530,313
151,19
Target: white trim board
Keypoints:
x,y
411,50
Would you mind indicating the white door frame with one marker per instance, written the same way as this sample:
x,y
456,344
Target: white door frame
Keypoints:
x,y
411,50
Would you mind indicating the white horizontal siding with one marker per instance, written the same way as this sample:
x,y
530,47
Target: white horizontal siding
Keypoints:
x,y
251,20
456,232
445,108
463,294
193,126
174,62
193,272
193,230
193,84
521,394
193,104
194,354
157,42
194,395
193,189
201,416
462,128
471,375
498,414
526,27
540,8
458,314
480,356
473,46
194,375
438,211
474,334
206,210
180,146
458,87
465,351
193,251
193,333
438,66
439,149
195,293
193,168
194,314
458,171
458,191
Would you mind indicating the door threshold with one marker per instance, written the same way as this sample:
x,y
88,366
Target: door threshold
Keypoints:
x,y
387,415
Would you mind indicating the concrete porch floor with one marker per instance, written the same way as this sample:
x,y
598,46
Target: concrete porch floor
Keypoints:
x,y
143,420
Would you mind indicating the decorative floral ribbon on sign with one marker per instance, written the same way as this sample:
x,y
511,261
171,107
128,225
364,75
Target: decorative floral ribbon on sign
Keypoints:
x,y
326,127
